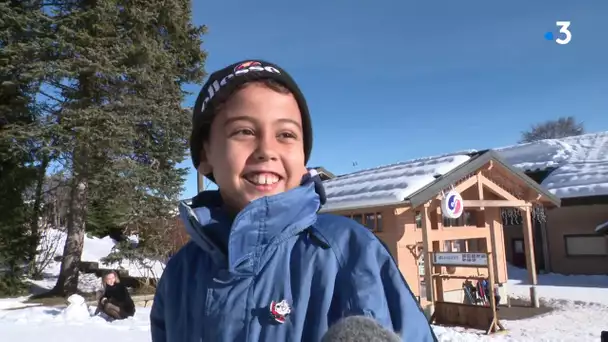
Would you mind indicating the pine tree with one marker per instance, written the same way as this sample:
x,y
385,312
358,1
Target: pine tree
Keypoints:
x,y
170,45
20,76
121,126
94,87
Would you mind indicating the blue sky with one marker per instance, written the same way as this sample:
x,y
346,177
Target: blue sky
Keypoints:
x,y
392,80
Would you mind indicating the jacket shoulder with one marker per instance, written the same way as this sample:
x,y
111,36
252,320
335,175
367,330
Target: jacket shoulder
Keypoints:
x,y
336,227
344,234
182,257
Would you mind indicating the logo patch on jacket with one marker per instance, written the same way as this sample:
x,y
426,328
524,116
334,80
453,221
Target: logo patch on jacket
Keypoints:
x,y
279,310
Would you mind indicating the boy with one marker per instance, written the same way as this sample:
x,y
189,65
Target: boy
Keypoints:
x,y
261,264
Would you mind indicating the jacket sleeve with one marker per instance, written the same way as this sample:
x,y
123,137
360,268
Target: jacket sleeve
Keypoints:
x,y
157,314
376,288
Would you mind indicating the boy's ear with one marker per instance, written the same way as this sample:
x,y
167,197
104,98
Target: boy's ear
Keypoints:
x,y
204,167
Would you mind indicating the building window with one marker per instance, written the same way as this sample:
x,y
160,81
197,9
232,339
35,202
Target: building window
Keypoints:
x,y
454,246
586,245
467,218
370,221
373,221
518,246
418,219
479,245
379,222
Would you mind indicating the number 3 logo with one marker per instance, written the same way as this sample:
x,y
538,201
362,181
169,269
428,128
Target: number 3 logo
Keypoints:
x,y
563,28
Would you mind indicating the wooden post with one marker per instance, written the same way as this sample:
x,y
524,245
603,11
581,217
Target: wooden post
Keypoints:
x,y
427,252
495,325
438,246
530,261
489,222
480,189
491,287
543,231
438,285
498,227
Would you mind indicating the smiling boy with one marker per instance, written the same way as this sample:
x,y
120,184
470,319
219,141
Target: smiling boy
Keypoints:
x,y
262,265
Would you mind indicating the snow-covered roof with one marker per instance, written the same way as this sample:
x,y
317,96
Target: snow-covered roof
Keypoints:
x,y
388,184
602,227
549,153
581,163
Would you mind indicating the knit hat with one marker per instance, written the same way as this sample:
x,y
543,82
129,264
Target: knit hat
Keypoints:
x,y
222,83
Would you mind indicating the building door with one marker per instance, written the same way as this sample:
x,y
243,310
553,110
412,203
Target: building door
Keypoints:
x,y
519,253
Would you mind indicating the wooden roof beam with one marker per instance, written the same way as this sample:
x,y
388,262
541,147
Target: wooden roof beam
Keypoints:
x,y
460,188
495,203
497,189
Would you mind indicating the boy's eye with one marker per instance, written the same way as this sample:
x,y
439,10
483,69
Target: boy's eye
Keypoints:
x,y
243,131
287,135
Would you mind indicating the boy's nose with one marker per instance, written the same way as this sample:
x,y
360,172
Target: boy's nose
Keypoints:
x,y
266,149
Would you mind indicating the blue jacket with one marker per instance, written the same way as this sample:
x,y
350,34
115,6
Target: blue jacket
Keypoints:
x,y
219,287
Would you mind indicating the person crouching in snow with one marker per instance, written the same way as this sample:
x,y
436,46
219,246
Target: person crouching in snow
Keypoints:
x,y
261,264
115,300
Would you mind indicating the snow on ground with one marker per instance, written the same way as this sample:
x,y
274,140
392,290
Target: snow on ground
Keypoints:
x,y
581,304
9,303
94,250
581,288
45,324
581,309
39,323
570,322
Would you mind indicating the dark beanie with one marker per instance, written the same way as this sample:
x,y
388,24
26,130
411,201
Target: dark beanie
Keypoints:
x,y
222,83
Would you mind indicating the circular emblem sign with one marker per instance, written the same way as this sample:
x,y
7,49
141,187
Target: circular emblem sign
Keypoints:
x,y
451,205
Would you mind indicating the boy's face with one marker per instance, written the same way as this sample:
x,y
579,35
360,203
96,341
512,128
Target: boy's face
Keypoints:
x,y
255,147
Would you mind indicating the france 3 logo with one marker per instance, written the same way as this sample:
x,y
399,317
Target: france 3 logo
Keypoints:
x,y
563,36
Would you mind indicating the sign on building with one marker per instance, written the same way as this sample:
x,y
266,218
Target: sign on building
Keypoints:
x,y
452,205
460,259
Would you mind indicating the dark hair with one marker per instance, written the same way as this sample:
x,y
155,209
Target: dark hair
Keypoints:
x,y
221,100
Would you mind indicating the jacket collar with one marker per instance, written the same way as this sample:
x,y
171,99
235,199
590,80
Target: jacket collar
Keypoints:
x,y
265,221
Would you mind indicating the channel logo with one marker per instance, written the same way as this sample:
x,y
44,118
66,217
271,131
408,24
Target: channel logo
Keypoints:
x,y
563,36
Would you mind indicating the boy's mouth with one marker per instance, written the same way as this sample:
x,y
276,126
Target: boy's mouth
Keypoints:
x,y
263,180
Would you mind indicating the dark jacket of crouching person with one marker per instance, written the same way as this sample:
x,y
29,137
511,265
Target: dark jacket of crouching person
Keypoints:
x,y
115,300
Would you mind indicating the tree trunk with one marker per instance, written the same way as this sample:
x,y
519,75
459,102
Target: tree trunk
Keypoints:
x,y
34,222
67,283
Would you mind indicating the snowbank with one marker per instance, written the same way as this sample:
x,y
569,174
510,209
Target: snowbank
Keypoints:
x,y
46,324
570,322
552,286
94,250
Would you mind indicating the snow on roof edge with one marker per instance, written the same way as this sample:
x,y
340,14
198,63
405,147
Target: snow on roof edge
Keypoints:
x,y
389,185
362,204
601,227
414,160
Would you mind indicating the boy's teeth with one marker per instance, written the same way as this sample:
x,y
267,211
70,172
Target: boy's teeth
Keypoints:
x,y
263,178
